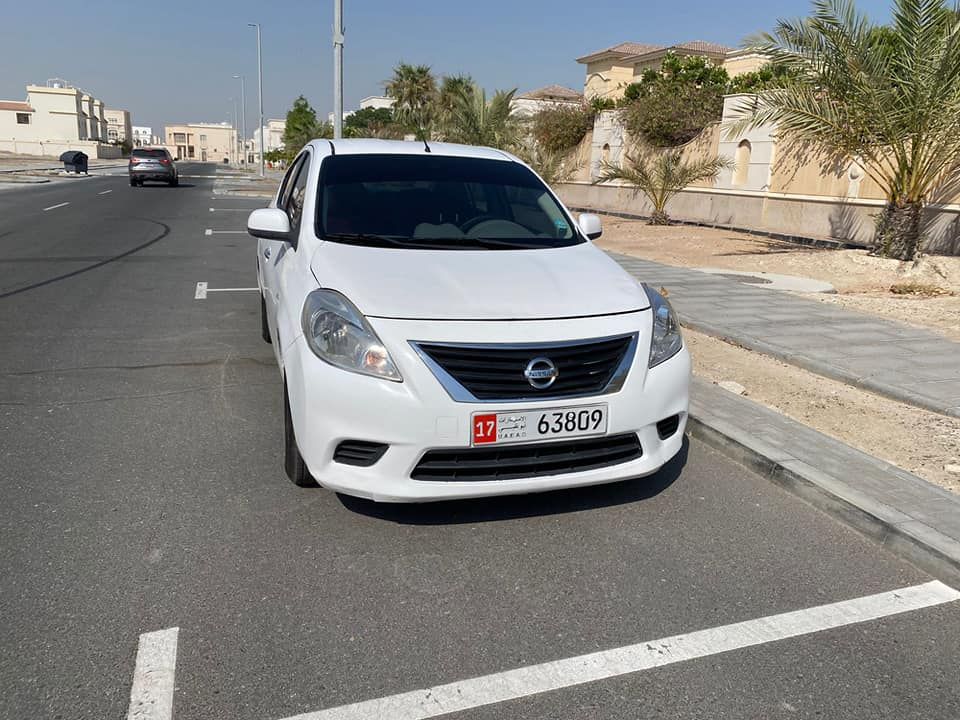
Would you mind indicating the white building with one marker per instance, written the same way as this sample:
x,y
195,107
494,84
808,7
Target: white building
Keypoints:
x,y
272,139
371,101
119,128
530,103
143,136
54,118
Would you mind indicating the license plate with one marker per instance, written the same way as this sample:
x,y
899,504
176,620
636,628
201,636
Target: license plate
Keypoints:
x,y
502,428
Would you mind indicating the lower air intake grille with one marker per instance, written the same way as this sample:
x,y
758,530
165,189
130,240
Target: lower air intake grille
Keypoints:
x,y
358,452
511,462
668,426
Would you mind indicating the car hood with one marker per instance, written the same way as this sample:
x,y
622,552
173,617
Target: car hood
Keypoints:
x,y
575,281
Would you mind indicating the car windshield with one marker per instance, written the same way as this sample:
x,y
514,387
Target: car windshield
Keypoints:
x,y
436,202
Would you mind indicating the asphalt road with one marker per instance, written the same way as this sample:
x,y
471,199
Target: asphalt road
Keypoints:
x,y
142,489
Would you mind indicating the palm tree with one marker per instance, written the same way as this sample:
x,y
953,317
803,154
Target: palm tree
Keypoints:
x,y
553,166
888,97
660,176
414,90
474,121
451,87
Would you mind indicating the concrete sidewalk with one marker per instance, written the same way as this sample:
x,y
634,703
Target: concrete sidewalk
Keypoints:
x,y
912,365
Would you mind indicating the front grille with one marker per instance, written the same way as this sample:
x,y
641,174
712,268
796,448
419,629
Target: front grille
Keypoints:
x,y
511,462
496,372
358,452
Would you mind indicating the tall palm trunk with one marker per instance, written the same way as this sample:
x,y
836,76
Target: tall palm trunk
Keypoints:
x,y
899,230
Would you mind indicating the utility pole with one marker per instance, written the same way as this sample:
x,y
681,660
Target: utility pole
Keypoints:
x,y
259,91
234,123
337,68
243,116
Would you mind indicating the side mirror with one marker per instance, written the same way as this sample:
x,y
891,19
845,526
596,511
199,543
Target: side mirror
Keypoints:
x,y
590,225
269,224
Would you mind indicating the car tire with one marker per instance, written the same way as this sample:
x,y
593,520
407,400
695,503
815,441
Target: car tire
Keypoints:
x,y
133,182
264,327
292,459
175,182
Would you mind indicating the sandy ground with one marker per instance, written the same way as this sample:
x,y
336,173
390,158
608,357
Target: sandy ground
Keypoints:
x,y
916,440
863,282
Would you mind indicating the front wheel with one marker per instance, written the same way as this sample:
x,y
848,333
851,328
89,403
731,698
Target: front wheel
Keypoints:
x,y
175,182
133,182
292,459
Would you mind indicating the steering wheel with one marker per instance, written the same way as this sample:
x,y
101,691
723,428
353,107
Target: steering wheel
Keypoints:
x,y
473,222
497,227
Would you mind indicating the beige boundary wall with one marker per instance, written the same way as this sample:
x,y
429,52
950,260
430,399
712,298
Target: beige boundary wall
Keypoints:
x,y
807,216
53,148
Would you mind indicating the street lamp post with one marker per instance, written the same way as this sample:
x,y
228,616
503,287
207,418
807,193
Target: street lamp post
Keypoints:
x,y
243,116
338,68
234,123
259,91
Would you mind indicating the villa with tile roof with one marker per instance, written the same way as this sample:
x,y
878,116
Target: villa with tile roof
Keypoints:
x,y
534,101
610,70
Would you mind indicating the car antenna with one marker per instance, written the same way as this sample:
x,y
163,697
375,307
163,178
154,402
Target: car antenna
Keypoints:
x,y
425,146
333,150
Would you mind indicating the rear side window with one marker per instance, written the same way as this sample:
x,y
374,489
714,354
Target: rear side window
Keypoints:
x,y
147,153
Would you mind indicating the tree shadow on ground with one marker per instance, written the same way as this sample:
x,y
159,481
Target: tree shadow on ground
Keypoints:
x,y
513,507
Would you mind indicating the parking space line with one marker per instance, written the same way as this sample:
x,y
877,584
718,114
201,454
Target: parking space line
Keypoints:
x,y
54,207
105,192
210,231
246,210
151,695
535,679
201,292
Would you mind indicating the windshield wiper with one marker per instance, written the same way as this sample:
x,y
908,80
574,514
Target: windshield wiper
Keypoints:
x,y
370,239
520,244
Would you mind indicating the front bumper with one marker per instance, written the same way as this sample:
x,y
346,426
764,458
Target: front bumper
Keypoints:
x,y
329,405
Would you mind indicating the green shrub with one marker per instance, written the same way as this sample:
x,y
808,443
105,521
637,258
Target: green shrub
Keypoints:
x,y
557,129
672,106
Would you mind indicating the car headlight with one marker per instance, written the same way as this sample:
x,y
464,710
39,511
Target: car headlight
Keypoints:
x,y
666,341
339,334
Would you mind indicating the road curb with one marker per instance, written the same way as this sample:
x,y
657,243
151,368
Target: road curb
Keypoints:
x,y
907,537
823,368
805,240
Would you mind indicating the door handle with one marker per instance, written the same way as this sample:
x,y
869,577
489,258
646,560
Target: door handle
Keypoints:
x,y
266,253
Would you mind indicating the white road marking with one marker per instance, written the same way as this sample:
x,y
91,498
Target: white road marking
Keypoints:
x,y
54,207
209,231
202,290
521,682
151,696
104,192
246,210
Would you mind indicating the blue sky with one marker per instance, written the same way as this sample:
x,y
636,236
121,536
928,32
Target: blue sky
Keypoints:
x,y
173,61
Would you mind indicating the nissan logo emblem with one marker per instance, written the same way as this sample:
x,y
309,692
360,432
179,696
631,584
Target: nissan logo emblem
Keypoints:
x,y
541,373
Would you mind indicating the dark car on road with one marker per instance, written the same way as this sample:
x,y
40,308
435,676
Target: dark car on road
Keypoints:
x,y
152,164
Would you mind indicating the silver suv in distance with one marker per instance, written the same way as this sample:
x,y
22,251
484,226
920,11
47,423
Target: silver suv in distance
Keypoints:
x,y
152,164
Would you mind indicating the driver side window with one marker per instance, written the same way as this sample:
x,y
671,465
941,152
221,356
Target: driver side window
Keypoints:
x,y
287,183
297,195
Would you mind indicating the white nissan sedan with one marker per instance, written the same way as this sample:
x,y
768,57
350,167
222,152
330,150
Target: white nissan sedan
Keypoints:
x,y
445,329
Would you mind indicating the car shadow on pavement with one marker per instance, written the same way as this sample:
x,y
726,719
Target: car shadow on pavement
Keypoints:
x,y
512,507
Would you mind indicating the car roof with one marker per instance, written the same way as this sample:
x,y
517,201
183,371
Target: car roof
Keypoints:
x,y
372,146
